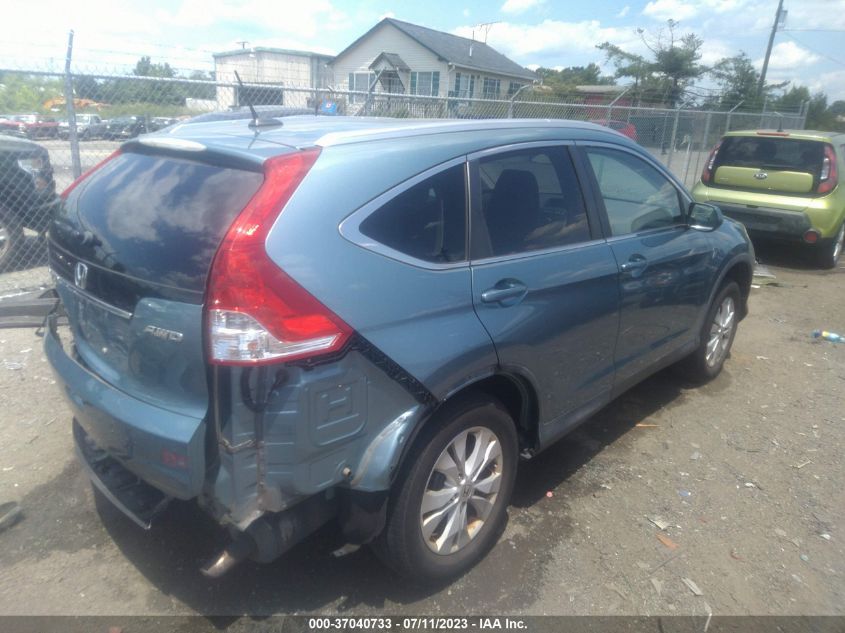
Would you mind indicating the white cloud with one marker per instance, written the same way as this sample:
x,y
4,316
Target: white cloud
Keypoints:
x,y
714,50
832,84
788,56
624,11
520,6
670,10
389,14
302,19
556,43
813,14
686,9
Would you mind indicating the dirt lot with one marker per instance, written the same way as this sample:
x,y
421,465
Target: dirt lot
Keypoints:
x,y
746,472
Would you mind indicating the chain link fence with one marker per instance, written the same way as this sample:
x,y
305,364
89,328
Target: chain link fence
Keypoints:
x,y
56,125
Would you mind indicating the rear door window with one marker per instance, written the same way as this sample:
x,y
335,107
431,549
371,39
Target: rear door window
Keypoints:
x,y
637,197
530,200
427,221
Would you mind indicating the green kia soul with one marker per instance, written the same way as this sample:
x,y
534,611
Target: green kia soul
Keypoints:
x,y
782,185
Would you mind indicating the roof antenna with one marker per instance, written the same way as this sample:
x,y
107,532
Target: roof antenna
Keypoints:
x,y
256,121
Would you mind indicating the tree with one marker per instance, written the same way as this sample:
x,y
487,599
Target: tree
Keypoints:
x,y
737,78
674,66
145,68
565,79
837,108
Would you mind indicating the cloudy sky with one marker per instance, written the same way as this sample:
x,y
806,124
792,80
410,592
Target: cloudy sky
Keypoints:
x,y
554,33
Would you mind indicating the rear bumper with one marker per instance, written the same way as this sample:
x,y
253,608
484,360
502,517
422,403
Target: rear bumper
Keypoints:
x,y
134,497
770,223
162,448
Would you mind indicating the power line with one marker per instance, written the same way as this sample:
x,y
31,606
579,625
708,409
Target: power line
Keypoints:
x,y
815,50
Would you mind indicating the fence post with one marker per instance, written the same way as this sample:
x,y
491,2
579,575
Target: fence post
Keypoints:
x,y
674,134
705,145
71,112
611,104
730,112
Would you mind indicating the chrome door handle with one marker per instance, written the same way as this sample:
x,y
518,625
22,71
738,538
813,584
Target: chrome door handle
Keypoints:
x,y
634,264
504,290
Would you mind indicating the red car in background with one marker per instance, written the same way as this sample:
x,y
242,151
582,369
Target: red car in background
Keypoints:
x,y
30,126
623,127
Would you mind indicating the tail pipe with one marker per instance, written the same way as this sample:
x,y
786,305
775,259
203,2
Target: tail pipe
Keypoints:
x,y
272,535
239,549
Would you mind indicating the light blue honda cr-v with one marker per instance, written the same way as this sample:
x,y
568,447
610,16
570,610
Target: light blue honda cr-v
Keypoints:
x,y
371,321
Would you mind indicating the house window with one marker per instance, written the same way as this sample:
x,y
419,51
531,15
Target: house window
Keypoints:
x,y
513,88
360,82
464,85
491,88
425,83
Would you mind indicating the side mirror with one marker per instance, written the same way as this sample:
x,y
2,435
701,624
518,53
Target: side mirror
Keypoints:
x,y
704,217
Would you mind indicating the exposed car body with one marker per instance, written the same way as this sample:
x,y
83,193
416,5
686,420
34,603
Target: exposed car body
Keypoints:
x,y
27,193
370,320
30,126
623,127
782,185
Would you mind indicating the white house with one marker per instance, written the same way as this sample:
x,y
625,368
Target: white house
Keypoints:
x,y
278,68
403,58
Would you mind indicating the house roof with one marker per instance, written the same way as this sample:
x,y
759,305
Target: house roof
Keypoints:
x,y
393,59
265,49
460,51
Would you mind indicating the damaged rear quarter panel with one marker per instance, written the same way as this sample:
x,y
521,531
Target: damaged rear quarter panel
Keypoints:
x,y
317,422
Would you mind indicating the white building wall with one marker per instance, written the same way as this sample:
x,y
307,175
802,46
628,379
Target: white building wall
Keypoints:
x,y
283,69
388,39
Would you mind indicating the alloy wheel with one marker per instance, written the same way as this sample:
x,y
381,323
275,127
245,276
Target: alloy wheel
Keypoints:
x,y
461,491
721,331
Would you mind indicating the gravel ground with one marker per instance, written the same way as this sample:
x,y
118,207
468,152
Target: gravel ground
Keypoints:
x,y
746,472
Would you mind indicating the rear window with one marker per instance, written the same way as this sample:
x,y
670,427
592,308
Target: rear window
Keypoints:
x,y
157,218
427,221
773,153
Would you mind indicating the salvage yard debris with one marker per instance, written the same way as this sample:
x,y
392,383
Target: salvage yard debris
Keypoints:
x,y
660,523
10,513
666,541
692,587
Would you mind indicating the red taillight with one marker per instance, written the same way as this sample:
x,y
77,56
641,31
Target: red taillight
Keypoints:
x,y
255,312
829,176
707,173
76,182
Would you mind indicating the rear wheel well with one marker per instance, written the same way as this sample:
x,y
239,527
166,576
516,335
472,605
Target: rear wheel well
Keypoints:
x,y
517,396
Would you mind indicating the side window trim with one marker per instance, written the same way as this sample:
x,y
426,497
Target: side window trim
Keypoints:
x,y
350,226
477,226
595,193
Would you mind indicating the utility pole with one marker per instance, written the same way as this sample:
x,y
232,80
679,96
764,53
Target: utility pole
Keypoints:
x,y
777,21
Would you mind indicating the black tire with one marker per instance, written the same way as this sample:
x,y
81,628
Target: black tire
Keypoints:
x,y
831,252
402,545
11,236
699,366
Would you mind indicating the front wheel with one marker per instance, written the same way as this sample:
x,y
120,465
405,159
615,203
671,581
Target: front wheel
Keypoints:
x,y
450,504
717,335
831,252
